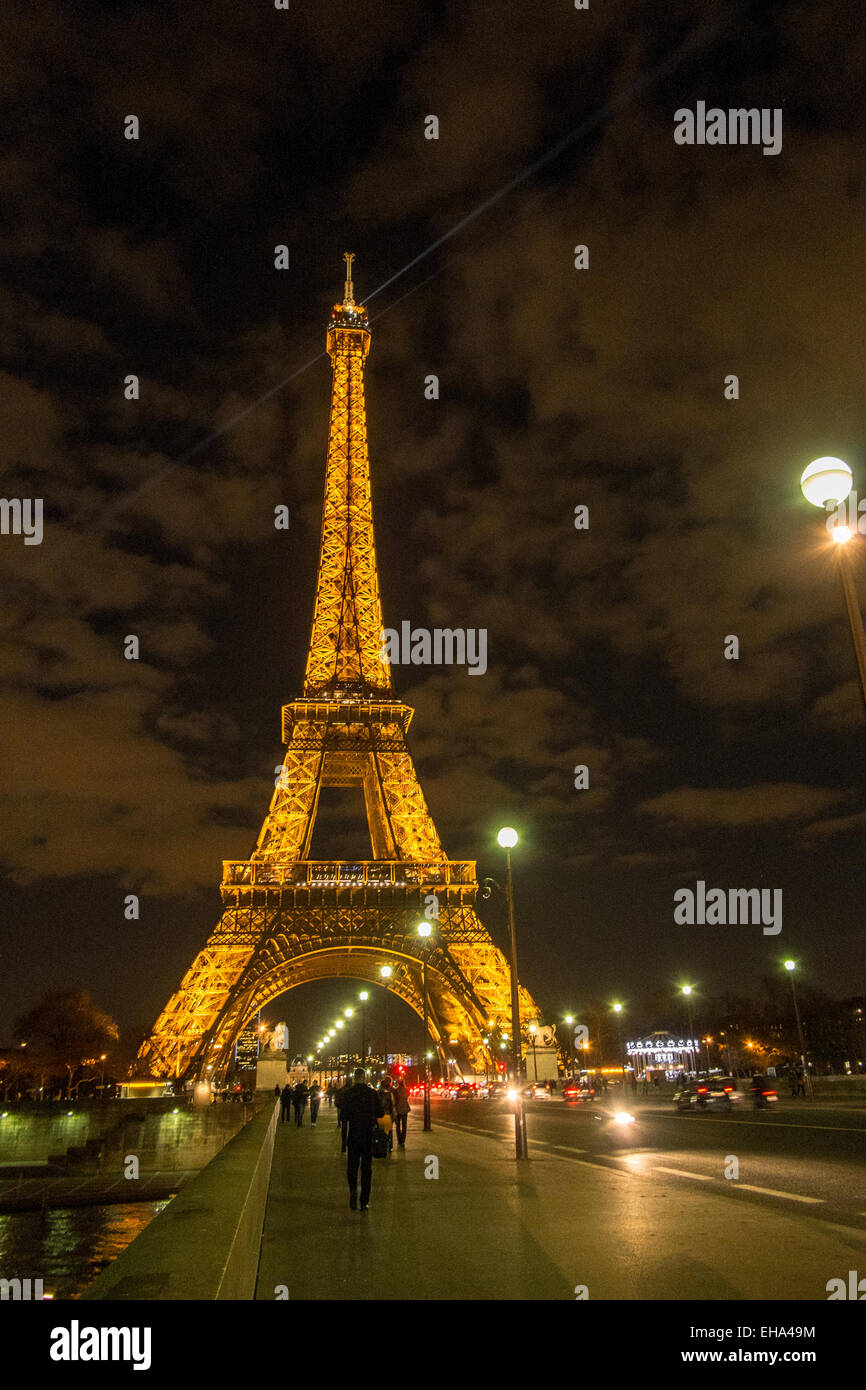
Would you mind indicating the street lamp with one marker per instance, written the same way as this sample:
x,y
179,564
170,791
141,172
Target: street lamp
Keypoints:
x,y
363,996
569,1019
425,931
791,966
385,973
507,838
688,991
617,1009
825,483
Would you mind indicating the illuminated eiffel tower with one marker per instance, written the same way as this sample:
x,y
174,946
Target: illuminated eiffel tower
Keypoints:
x,y
288,919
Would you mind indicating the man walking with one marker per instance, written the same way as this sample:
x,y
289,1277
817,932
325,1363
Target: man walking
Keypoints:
x,y
286,1103
342,1120
359,1110
299,1099
402,1108
315,1101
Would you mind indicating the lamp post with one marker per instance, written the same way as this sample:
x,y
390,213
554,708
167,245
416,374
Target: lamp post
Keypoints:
x,y
507,838
688,991
826,482
385,973
791,966
569,1019
364,996
617,1009
425,931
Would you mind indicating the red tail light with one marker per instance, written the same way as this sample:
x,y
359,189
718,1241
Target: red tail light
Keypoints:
x,y
702,1090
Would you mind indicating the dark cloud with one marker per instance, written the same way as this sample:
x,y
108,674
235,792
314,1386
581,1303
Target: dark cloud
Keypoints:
x,y
558,387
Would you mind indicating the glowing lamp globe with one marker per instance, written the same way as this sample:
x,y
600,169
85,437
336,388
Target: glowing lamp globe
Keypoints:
x,y
790,965
385,972
424,929
826,481
507,837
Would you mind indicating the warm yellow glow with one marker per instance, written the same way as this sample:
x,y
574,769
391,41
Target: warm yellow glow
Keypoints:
x,y
348,706
424,929
507,837
363,995
790,965
386,972
842,534
826,480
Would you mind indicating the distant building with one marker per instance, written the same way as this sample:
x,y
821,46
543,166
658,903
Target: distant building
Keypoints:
x,y
662,1050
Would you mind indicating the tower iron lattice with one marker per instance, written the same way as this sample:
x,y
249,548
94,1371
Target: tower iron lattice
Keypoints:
x,y
288,919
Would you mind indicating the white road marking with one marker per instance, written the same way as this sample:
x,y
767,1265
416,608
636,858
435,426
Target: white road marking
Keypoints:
x,y
771,1192
680,1173
777,1124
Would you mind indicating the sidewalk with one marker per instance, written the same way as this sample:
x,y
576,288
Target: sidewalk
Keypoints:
x,y
489,1228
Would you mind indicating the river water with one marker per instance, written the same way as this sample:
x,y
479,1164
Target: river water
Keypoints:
x,y
66,1247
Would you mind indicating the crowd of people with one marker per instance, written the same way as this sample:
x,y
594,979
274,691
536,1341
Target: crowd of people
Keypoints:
x,y
368,1118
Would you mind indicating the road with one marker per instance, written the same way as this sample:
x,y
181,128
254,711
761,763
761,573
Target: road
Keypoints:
x,y
795,1156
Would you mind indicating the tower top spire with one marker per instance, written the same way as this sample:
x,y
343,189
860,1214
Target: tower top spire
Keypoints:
x,y
349,292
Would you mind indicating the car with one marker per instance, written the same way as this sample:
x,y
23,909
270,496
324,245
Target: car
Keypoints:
x,y
578,1091
708,1093
494,1090
467,1091
763,1092
538,1090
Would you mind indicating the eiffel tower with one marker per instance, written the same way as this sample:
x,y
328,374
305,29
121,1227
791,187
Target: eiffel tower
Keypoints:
x,y
288,919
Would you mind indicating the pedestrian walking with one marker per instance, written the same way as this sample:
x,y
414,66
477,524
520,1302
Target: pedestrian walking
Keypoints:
x,y
342,1121
286,1103
793,1079
277,1091
315,1101
801,1083
388,1108
299,1100
331,1089
361,1107
402,1109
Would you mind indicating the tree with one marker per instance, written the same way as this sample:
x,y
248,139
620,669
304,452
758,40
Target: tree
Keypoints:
x,y
64,1029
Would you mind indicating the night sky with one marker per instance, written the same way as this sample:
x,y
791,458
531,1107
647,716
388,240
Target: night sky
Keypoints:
x,y
558,387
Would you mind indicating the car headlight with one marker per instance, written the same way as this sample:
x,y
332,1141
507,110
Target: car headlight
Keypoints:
x,y
622,1118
